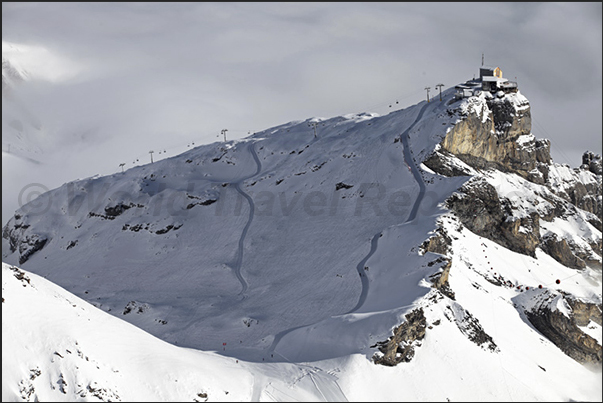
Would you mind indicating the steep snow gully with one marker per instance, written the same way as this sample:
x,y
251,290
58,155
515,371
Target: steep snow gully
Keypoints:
x,y
375,240
236,265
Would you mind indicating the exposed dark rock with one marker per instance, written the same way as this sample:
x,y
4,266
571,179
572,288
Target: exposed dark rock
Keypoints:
x,y
471,328
440,280
486,138
106,217
203,203
585,195
583,312
168,229
134,306
441,163
114,211
439,243
565,333
401,346
559,250
342,185
30,245
592,162
480,210
20,275
134,228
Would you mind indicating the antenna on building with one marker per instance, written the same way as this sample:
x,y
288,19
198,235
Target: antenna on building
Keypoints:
x,y
482,60
427,88
440,87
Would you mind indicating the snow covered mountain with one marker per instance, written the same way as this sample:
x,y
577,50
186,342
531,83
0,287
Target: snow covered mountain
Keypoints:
x,y
426,240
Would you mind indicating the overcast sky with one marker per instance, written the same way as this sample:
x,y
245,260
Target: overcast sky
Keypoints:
x,y
126,78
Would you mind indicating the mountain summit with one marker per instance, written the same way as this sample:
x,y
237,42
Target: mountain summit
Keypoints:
x,y
428,240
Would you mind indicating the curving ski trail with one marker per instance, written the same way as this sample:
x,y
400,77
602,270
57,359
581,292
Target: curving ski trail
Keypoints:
x,y
413,213
375,240
236,265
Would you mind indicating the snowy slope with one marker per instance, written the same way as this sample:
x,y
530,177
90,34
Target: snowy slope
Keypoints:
x,y
206,274
292,247
57,347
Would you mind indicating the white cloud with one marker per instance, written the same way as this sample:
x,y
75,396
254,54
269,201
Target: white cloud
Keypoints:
x,y
133,76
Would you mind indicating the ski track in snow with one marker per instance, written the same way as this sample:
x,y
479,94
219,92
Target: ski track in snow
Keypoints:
x,y
364,278
239,260
411,163
375,240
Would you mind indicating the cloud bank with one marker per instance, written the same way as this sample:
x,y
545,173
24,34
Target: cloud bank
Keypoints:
x,y
160,76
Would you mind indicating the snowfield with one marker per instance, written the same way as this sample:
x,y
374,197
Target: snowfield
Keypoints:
x,y
57,347
270,269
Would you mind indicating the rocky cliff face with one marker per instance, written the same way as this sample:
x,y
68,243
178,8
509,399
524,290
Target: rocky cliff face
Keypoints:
x,y
482,211
518,198
563,329
495,132
583,188
401,346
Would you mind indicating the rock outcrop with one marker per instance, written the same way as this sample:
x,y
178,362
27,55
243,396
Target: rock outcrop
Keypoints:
x,y
480,209
592,162
401,346
20,240
440,244
470,327
585,188
559,250
564,330
495,132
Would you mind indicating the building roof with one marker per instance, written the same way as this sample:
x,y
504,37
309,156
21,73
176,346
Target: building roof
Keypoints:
x,y
492,78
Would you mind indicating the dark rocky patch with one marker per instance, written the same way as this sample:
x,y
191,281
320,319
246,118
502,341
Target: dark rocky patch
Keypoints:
x,y
440,280
565,333
559,250
480,209
472,329
71,244
342,185
168,229
401,346
30,245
